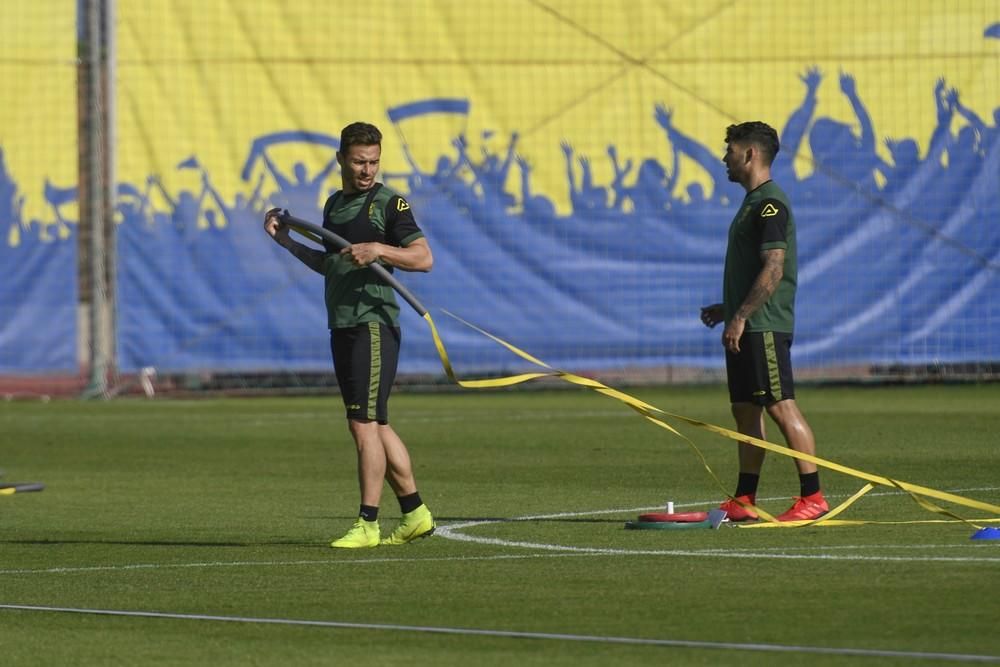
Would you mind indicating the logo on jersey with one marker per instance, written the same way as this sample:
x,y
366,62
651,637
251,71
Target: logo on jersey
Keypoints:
x,y
769,211
402,205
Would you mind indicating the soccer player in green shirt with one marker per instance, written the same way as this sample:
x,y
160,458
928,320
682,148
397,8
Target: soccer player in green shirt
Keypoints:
x,y
758,311
364,331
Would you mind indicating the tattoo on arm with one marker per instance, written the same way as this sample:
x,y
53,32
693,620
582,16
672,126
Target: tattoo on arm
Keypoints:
x,y
767,281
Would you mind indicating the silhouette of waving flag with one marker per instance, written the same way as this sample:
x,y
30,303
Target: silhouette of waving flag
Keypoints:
x,y
434,117
260,144
403,112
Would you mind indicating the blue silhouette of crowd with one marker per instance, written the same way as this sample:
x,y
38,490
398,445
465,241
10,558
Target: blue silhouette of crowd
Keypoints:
x,y
841,172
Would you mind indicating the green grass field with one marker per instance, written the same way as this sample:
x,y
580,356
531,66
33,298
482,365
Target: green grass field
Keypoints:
x,y
203,525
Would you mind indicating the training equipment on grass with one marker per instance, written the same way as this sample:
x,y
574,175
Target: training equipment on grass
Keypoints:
x,y
675,517
665,525
11,488
655,415
988,533
319,234
684,521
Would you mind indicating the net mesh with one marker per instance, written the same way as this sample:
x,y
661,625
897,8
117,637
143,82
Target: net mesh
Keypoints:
x,y
563,159
38,212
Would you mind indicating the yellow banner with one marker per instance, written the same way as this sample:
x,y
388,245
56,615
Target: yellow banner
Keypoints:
x,y
207,79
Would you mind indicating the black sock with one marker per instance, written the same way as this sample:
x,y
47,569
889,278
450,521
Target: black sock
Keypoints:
x,y
368,513
746,485
808,483
409,503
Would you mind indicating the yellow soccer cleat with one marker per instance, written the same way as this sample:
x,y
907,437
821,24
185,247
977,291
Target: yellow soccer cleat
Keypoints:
x,y
363,534
413,525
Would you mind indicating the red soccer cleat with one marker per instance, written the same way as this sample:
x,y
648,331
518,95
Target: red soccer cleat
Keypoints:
x,y
736,512
806,508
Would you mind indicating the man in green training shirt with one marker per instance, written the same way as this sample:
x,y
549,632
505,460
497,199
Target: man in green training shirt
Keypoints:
x,y
364,331
758,310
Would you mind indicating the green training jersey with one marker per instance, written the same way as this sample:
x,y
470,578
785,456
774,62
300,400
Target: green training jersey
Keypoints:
x,y
764,222
355,295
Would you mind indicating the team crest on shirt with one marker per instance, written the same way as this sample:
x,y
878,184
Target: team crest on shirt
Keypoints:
x,y
769,211
402,205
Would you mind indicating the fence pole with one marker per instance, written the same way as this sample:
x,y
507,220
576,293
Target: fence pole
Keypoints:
x,y
96,48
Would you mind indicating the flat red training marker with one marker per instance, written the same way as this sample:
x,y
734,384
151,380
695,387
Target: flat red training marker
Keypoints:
x,y
667,525
674,517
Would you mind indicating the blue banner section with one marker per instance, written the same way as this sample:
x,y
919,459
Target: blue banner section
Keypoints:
x,y
892,273
899,260
216,299
38,293
38,305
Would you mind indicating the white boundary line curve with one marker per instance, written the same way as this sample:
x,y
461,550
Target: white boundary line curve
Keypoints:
x,y
549,551
454,532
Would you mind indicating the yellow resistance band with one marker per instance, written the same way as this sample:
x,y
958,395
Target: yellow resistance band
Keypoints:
x,y
656,415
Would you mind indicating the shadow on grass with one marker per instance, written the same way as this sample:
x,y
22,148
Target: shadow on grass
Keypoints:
x,y
285,543
158,543
501,519
389,517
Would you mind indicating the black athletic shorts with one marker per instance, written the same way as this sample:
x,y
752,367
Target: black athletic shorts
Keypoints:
x,y
365,358
761,372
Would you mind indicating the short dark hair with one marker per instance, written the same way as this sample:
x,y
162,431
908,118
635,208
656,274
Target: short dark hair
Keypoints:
x,y
359,134
756,132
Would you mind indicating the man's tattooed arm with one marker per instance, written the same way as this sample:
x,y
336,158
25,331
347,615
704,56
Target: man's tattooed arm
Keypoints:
x,y
767,281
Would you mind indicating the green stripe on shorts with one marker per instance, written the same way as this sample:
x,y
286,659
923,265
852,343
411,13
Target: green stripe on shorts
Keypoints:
x,y
773,374
375,372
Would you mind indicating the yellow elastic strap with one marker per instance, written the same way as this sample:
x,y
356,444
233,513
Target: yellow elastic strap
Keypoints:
x,y
853,522
309,235
825,519
654,414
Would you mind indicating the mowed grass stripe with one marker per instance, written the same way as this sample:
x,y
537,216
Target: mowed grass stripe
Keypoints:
x,y
226,506
514,634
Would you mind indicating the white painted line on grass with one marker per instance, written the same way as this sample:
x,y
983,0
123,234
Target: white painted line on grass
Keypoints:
x,y
453,532
514,634
711,553
551,551
278,563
